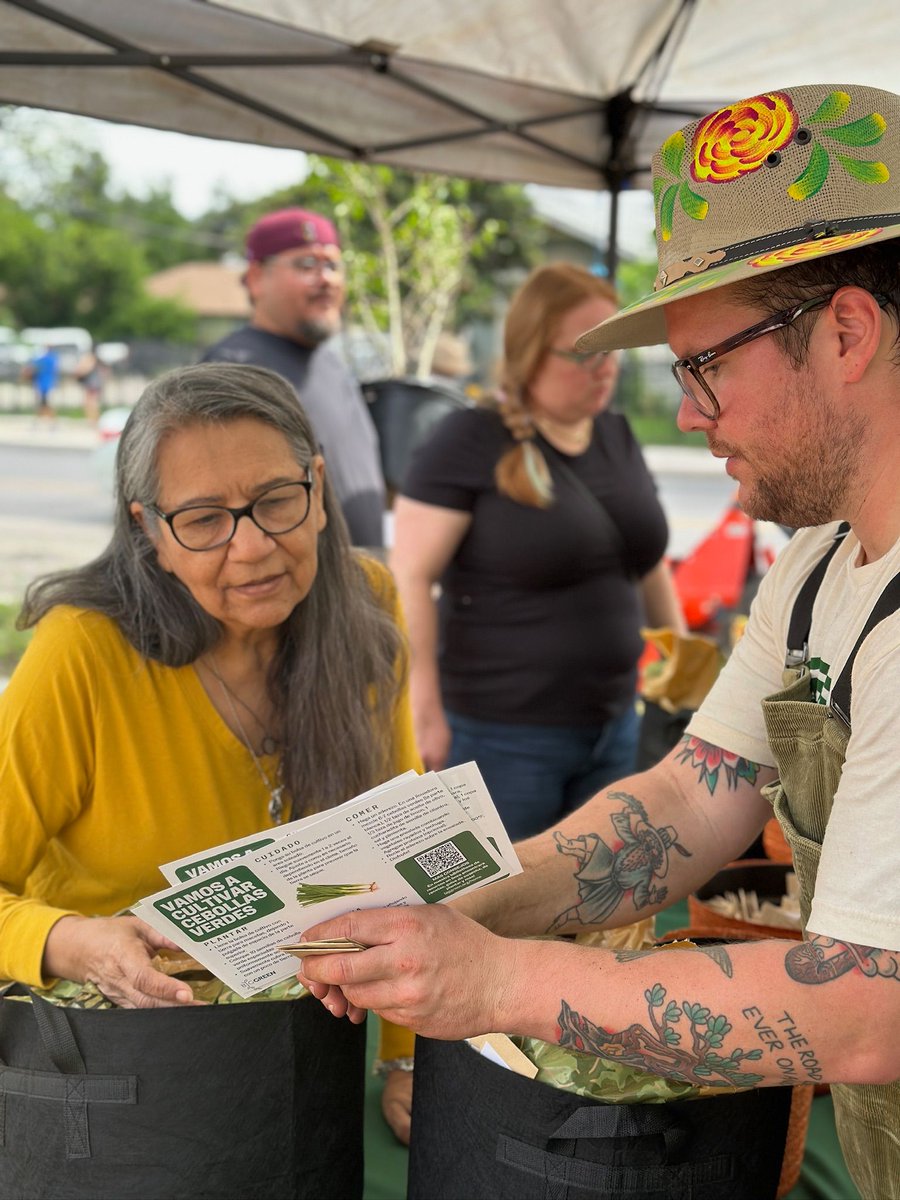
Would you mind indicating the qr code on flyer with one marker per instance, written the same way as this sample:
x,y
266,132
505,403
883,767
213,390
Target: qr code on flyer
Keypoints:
x,y
441,858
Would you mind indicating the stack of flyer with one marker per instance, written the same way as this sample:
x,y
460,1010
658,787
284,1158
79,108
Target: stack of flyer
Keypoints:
x,y
416,839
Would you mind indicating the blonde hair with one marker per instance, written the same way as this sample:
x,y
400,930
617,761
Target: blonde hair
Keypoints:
x,y
535,314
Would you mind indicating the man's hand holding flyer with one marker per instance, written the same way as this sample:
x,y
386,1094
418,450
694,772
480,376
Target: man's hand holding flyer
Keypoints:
x,y
240,908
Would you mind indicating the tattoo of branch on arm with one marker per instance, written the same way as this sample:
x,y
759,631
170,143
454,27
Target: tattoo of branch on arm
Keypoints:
x,y
718,954
712,763
656,1047
606,875
821,959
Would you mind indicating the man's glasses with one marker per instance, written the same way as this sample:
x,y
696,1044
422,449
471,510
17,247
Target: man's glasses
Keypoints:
x,y
690,371
277,510
582,358
308,265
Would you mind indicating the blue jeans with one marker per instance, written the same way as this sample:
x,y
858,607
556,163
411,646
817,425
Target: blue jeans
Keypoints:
x,y
538,773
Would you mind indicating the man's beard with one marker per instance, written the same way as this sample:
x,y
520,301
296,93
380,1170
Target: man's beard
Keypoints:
x,y
810,483
313,333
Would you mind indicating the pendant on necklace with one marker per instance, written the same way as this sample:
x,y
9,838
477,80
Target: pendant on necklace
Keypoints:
x,y
268,745
276,804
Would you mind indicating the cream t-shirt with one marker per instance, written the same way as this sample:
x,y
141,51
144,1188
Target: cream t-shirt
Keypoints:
x,y
857,896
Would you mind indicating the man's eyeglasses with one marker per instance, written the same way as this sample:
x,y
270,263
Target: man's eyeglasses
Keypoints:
x,y
277,510
308,265
690,372
582,358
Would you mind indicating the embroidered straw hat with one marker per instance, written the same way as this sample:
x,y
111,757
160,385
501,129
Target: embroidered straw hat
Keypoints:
x,y
761,184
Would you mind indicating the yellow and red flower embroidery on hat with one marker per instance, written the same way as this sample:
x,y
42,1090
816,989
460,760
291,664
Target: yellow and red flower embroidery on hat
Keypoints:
x,y
738,139
831,245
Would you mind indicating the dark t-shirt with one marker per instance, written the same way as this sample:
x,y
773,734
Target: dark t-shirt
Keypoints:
x,y
338,413
540,608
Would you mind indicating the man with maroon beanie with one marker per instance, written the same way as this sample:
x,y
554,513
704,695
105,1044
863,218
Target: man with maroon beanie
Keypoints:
x,y
295,280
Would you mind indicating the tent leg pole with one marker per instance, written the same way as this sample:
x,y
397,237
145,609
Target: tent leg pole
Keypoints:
x,y
612,247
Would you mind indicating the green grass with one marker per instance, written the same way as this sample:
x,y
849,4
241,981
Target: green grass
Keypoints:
x,y
12,641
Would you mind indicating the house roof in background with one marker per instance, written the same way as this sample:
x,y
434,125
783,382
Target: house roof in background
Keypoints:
x,y
211,289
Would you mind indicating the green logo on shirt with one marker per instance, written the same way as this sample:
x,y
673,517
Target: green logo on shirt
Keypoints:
x,y
820,680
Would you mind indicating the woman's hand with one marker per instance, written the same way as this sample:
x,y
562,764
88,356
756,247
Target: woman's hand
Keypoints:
x,y
114,953
433,737
396,1103
429,968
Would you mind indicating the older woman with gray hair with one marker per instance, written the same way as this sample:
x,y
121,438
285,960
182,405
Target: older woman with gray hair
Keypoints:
x,y
227,663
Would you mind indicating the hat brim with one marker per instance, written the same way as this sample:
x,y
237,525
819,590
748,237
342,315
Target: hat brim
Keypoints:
x,y
643,322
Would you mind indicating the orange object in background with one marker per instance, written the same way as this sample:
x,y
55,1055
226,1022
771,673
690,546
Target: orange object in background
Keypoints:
x,y
713,576
774,843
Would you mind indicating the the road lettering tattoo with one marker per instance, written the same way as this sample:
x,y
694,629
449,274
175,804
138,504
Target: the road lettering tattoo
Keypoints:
x,y
658,1048
791,1051
605,875
712,762
718,954
821,959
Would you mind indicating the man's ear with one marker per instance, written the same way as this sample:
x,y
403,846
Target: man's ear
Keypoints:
x,y
251,279
858,326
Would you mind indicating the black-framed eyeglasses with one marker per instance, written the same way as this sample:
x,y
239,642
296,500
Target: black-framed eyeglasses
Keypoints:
x,y
689,371
277,510
583,358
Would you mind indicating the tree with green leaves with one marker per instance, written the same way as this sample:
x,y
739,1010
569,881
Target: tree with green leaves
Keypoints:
x,y
72,253
423,252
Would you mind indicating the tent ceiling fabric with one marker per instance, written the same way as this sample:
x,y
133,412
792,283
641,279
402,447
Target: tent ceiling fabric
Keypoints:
x,y
575,94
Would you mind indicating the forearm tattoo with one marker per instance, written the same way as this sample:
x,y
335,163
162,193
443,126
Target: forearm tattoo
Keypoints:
x,y
606,874
821,959
712,763
718,954
788,1050
678,1042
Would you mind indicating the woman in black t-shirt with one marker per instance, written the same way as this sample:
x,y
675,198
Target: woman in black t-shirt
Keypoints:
x,y
540,521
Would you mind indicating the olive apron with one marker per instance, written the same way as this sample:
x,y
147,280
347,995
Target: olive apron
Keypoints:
x,y
809,742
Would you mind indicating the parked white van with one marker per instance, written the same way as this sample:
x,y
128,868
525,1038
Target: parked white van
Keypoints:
x,y
70,344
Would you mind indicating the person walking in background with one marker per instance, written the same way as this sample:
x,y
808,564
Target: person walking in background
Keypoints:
x,y
90,373
295,281
537,515
43,371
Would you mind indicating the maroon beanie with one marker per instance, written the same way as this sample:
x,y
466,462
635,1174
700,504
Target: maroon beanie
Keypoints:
x,y
286,229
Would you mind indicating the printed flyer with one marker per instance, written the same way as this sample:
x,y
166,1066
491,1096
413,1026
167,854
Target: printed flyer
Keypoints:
x,y
416,839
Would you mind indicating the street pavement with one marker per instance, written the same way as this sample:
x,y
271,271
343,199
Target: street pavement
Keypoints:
x,y
53,505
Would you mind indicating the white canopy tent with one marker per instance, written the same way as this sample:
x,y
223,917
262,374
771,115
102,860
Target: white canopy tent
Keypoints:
x,y
575,93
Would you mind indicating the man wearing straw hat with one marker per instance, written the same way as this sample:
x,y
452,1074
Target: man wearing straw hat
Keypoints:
x,y
778,220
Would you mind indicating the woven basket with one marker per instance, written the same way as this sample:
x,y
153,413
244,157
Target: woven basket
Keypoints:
x,y
758,875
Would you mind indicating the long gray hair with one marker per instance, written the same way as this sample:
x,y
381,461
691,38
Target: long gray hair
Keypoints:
x,y
340,661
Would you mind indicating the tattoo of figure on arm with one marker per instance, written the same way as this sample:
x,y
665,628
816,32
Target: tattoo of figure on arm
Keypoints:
x,y
606,875
711,762
657,1046
821,959
718,954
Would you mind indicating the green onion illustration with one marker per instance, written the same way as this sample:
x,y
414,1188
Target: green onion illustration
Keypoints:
x,y
317,893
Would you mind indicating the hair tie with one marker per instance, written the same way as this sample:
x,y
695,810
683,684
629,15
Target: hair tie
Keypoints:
x,y
537,471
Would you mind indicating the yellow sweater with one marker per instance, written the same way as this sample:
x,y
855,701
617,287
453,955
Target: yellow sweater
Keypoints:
x,y
109,765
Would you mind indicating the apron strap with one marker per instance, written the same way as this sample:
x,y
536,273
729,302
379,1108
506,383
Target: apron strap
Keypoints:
x,y
801,615
887,603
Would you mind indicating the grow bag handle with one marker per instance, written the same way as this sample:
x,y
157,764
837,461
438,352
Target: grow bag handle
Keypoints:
x,y
70,1084
562,1171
